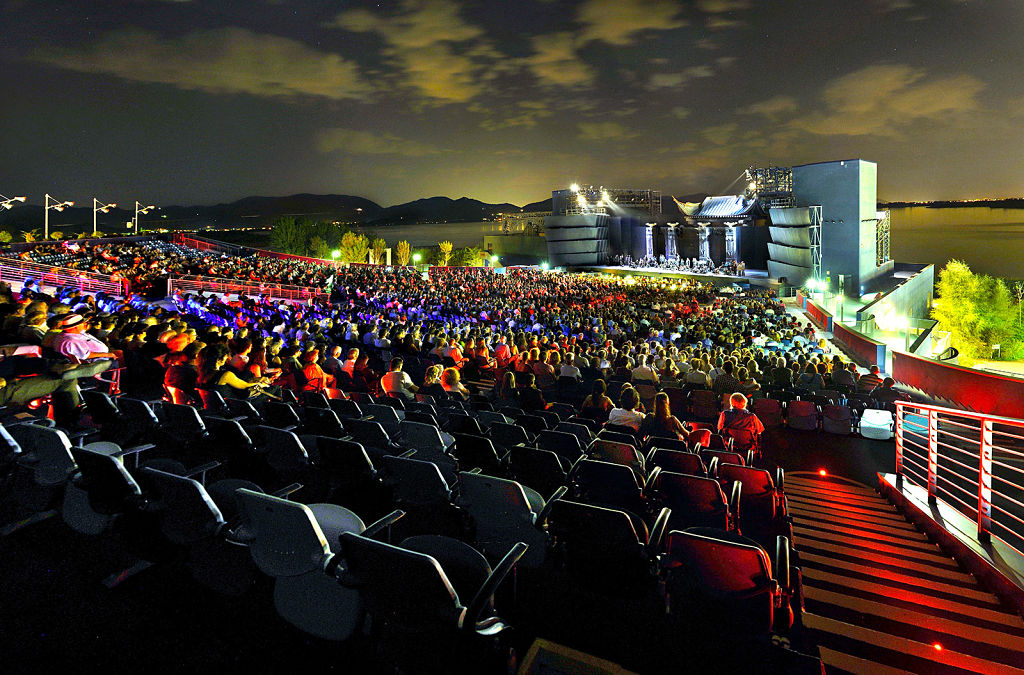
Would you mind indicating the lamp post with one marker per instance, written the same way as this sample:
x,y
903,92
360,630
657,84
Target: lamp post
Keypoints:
x,y
139,208
96,208
8,202
56,206
335,254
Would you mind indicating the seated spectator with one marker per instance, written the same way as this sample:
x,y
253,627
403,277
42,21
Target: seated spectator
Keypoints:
x,y
182,373
79,346
738,419
597,406
662,422
643,372
809,380
869,380
432,383
452,385
886,392
726,383
505,391
843,376
530,397
628,412
349,366
397,381
216,376
748,385
316,378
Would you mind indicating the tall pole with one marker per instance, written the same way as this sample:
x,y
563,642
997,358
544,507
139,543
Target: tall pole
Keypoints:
x,y
46,218
137,216
94,212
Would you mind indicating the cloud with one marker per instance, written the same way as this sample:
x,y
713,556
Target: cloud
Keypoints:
x,y
772,107
219,61
528,115
678,79
605,131
720,134
883,99
440,55
681,113
355,142
554,61
618,22
722,6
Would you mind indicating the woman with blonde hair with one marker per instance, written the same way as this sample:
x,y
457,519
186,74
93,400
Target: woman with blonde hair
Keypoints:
x,y
431,383
451,383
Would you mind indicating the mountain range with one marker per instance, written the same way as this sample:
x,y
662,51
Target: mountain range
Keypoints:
x,y
263,211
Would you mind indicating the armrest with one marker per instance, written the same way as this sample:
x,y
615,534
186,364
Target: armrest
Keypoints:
x,y
201,470
480,600
780,480
407,454
546,511
286,490
713,468
781,571
657,536
652,478
387,521
734,499
136,449
476,470
750,457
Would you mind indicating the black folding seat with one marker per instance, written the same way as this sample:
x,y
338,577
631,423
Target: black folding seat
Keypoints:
x,y
285,454
314,399
393,400
235,446
604,549
723,458
479,452
464,424
619,453
704,405
352,479
721,585
422,620
509,435
505,512
421,490
719,442
611,485
542,470
323,422
677,462
565,444
281,415
580,431
532,423
563,410
695,501
763,511
372,437
184,425
593,425
384,415
622,432
346,409
666,443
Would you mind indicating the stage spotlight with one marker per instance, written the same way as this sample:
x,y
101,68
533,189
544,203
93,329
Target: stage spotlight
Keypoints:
x,y
574,187
544,266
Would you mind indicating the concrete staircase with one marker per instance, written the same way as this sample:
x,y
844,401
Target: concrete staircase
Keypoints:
x,y
881,598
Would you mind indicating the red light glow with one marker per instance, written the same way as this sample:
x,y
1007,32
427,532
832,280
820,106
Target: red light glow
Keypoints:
x,y
822,472
937,646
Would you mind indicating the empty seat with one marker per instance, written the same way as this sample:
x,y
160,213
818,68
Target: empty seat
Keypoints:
x,y
478,452
694,501
508,435
837,419
762,511
677,462
704,405
542,470
769,411
565,444
384,415
802,415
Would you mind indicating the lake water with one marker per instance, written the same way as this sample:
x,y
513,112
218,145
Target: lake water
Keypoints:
x,y
989,240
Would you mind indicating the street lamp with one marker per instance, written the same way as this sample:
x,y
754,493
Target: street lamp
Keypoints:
x,y
544,266
143,210
335,254
56,206
96,208
416,257
494,261
8,202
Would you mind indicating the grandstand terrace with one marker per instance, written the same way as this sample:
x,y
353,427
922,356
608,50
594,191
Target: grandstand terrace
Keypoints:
x,y
396,471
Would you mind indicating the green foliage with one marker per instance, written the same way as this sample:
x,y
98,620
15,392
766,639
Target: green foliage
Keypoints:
x,y
471,256
354,247
977,311
304,237
56,235
5,237
318,248
402,253
30,235
378,247
444,256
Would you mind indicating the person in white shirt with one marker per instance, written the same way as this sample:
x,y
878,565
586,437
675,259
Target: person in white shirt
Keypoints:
x,y
397,381
644,372
628,413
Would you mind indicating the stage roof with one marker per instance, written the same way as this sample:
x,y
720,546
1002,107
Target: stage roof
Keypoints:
x,y
730,206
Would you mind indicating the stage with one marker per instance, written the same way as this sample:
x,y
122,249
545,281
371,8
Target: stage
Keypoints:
x,y
752,277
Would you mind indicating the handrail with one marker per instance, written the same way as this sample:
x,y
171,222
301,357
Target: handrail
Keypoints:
x,y
49,275
996,493
192,284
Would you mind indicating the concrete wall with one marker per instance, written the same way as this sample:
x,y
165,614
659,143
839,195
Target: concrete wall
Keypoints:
x,y
913,297
520,245
846,191
565,236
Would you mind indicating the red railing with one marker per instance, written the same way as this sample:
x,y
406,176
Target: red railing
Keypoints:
x,y
16,271
193,284
972,461
866,351
976,390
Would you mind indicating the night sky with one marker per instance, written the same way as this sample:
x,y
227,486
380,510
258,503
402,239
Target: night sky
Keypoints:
x,y
209,101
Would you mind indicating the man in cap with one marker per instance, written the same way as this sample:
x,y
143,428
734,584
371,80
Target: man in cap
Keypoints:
x,y
79,346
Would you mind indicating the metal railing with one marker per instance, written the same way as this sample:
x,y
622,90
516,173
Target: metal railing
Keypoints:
x,y
193,284
16,271
972,461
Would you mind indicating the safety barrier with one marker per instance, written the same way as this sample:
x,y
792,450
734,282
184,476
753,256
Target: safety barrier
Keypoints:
x,y
972,461
16,271
194,284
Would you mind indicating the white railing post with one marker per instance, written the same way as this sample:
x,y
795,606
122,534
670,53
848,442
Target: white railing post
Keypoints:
x,y
985,483
933,455
900,412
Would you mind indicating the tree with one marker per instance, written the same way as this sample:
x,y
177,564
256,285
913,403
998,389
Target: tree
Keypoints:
x,y
975,309
379,245
1018,292
318,248
402,253
289,236
354,247
471,256
30,235
5,237
445,253
56,235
